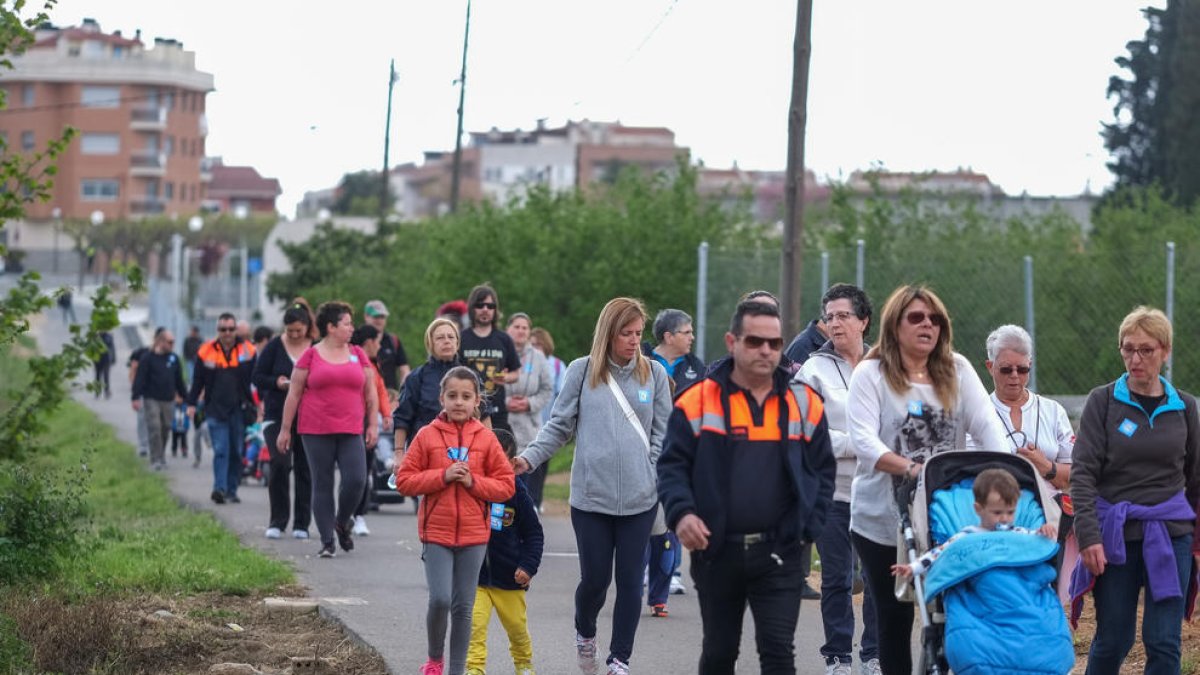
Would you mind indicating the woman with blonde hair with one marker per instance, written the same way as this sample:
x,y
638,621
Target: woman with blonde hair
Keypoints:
x,y
419,395
910,398
1135,484
615,402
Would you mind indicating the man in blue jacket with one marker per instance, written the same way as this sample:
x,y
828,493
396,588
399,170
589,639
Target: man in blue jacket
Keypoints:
x,y
746,478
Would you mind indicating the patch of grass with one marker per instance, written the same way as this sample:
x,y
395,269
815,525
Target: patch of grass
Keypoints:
x,y
15,656
559,491
561,461
213,614
138,537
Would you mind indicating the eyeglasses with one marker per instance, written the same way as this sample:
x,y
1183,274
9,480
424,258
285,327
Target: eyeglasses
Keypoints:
x,y
837,316
1144,352
917,317
226,329
1008,370
1018,438
485,305
756,342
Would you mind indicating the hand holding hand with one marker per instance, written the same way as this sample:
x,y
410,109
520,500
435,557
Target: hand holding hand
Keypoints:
x,y
1094,559
521,466
465,476
518,404
692,532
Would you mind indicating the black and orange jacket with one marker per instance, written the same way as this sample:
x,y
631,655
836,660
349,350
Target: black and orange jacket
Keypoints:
x,y
224,380
694,471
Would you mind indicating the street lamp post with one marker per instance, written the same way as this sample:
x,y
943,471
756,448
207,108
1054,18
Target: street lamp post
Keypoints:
x,y
56,216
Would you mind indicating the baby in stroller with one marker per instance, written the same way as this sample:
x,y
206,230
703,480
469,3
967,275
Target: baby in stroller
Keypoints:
x,y
985,559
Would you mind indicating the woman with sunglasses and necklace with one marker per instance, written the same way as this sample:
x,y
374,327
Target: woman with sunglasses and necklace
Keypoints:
x,y
910,398
1038,428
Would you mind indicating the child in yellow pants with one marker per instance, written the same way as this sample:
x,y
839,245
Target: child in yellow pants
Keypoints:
x,y
514,552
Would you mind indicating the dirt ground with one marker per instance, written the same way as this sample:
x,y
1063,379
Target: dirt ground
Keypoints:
x,y
186,636
1136,660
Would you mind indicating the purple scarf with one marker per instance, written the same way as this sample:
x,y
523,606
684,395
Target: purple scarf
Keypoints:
x,y
1161,570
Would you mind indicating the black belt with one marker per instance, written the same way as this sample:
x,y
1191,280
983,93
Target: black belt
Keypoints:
x,y
750,538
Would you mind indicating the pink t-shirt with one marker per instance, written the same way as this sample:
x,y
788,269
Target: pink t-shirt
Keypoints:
x,y
333,401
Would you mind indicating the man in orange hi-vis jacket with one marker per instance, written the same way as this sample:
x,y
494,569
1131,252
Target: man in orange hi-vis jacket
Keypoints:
x,y
745,479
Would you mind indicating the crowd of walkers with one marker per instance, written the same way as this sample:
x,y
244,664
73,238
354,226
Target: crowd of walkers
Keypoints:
x,y
746,463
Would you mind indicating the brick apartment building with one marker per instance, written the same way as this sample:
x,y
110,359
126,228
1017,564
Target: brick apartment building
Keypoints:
x,y
140,115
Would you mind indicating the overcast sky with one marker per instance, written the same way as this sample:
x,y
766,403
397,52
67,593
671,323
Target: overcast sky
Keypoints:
x,y
1012,89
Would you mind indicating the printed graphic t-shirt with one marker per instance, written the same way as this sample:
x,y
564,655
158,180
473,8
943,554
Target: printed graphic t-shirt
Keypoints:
x,y
488,356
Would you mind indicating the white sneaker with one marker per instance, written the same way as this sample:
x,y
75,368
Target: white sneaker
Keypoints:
x,y
360,527
274,533
677,587
585,654
839,668
618,668
300,534
871,667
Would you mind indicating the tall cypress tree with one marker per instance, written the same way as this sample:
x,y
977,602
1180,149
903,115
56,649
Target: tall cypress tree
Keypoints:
x,y
1155,137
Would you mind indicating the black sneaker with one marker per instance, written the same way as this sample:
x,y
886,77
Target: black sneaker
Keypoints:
x,y
344,539
809,593
327,551
218,496
234,499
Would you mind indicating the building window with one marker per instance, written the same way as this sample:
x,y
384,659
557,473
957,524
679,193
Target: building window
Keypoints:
x,y
101,97
169,100
26,140
94,49
118,52
99,189
27,95
152,189
169,145
100,144
168,191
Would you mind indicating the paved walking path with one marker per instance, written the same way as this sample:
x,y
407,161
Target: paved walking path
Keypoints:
x,y
378,591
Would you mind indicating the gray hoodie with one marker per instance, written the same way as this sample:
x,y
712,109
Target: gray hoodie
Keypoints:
x,y
612,472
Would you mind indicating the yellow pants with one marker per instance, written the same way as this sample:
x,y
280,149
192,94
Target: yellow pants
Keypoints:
x,y
510,607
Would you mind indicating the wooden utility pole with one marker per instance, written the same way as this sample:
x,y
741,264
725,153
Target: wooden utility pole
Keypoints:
x,y
456,178
384,207
793,225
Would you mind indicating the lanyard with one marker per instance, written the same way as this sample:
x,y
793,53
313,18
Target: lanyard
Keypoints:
x,y
1037,429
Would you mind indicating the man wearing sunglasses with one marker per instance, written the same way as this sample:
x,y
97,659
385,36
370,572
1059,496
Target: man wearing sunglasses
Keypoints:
x,y
222,378
157,385
746,478
491,353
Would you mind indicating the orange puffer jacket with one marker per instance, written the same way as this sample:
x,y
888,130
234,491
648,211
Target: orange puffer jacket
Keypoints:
x,y
453,515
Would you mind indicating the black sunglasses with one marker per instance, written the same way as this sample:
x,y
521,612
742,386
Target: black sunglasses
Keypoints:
x,y
226,329
917,317
756,342
1008,370
485,305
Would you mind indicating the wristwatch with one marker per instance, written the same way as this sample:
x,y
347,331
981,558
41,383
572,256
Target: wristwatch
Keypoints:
x,y
1049,475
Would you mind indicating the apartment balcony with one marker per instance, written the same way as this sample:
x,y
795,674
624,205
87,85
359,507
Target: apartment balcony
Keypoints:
x,y
206,165
145,205
148,164
148,119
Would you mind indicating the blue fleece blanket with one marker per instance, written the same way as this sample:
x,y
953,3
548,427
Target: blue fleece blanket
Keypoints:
x,y
1002,614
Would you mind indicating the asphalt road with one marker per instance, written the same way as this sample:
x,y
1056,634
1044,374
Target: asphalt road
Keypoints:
x,y
378,591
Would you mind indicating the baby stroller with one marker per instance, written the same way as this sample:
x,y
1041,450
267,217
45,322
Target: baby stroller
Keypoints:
x,y
984,606
256,460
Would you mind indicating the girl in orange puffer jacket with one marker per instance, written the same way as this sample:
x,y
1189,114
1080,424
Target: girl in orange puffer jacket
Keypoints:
x,y
459,469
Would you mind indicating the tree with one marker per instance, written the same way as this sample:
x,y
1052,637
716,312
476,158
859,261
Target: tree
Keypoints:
x,y
358,194
1155,137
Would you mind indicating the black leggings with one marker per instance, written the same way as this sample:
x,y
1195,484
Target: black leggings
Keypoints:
x,y
895,618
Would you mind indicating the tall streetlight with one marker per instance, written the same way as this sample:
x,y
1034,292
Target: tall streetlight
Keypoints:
x,y
56,216
456,178
97,219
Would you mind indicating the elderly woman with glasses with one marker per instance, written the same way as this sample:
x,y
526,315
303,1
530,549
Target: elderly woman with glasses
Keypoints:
x,y
910,398
1135,481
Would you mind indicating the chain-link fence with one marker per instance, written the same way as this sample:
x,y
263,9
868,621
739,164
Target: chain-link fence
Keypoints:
x,y
1076,300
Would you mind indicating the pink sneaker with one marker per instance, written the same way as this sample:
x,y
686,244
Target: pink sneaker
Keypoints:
x,y
432,667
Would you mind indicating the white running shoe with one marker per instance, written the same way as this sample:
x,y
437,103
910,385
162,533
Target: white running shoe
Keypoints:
x,y
360,527
617,667
871,667
300,534
677,587
839,668
585,653
274,533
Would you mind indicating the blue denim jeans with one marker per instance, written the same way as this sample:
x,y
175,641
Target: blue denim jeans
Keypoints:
x,y
837,582
663,557
228,437
1116,597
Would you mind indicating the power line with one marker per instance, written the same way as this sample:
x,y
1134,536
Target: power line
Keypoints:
x,y
653,31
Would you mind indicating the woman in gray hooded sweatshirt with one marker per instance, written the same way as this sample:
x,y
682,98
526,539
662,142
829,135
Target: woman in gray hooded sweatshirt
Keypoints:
x,y
613,476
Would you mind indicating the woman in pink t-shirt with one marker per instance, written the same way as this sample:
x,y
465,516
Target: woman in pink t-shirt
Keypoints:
x,y
332,387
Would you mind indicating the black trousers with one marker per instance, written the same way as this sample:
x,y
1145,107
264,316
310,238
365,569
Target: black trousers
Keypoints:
x,y
769,580
279,484
894,618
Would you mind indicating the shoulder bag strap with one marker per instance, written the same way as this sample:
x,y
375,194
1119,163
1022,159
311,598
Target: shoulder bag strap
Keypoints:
x,y
625,408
